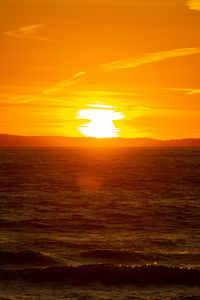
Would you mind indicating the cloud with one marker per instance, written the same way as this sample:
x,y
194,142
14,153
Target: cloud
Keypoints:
x,y
71,80
46,96
134,62
27,32
104,93
64,84
194,4
186,91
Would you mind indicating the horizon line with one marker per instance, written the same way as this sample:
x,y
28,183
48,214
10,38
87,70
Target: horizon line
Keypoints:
x,y
97,138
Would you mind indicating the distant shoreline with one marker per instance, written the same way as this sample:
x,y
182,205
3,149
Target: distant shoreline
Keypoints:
x,y
7,140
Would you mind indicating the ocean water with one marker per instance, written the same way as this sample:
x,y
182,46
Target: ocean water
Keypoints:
x,y
99,223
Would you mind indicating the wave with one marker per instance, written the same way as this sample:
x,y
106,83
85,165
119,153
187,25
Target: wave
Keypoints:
x,y
22,224
51,224
136,257
29,258
115,255
109,274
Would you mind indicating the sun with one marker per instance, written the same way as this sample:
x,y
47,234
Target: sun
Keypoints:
x,y
101,124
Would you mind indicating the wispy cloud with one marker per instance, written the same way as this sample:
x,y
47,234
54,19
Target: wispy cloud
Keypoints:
x,y
48,97
104,93
28,32
59,86
186,91
194,4
134,62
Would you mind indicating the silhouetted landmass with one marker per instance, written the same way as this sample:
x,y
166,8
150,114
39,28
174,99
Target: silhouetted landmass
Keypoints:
x,y
57,141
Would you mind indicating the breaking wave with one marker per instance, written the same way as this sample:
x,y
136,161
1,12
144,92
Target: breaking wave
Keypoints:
x,y
109,274
137,257
29,258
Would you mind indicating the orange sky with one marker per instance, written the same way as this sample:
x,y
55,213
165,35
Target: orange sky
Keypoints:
x,y
141,58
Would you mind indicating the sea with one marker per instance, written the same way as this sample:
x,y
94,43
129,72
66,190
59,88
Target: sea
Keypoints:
x,y
99,223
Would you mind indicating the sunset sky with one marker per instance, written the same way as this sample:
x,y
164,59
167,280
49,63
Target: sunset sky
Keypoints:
x,y
136,61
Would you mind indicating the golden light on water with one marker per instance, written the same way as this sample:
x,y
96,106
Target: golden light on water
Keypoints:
x,y
101,124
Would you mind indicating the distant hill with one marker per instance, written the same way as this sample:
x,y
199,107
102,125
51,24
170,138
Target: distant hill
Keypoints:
x,y
57,141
